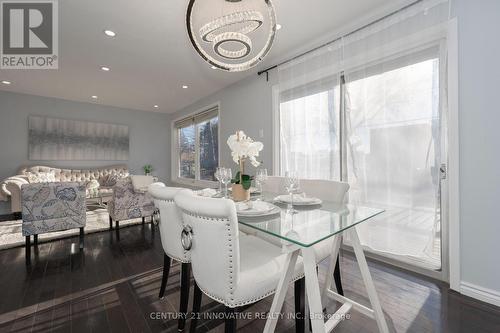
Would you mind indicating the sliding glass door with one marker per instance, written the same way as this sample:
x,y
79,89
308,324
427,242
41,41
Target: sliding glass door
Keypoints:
x,y
393,128
379,128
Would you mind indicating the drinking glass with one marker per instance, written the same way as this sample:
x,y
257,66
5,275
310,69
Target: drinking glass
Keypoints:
x,y
218,176
226,179
292,185
261,178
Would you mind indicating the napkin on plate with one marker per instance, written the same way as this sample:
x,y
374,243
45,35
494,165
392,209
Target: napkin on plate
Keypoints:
x,y
253,206
297,198
206,192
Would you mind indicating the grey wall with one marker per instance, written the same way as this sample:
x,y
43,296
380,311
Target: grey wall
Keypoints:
x,y
149,133
247,105
479,84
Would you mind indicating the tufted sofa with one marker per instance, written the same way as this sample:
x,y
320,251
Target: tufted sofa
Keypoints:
x,y
11,187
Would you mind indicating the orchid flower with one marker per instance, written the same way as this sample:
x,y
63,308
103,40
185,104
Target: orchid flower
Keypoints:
x,y
243,147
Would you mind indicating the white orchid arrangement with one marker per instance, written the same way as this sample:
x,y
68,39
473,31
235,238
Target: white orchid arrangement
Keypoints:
x,y
243,148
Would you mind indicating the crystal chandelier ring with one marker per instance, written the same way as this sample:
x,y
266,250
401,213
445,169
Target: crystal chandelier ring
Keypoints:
x,y
251,21
211,41
235,37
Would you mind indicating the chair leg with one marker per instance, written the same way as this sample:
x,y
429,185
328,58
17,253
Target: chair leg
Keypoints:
x,y
117,229
230,320
28,250
82,240
196,308
337,278
299,293
185,276
35,240
110,223
166,272
143,220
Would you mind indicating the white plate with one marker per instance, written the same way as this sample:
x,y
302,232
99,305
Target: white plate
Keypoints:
x,y
250,212
311,202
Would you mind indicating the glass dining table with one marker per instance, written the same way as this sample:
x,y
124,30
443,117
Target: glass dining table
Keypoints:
x,y
299,233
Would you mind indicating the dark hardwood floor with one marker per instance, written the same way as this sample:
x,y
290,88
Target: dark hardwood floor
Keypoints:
x,y
113,287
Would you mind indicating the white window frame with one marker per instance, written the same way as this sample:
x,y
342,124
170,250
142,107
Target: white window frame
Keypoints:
x,y
175,151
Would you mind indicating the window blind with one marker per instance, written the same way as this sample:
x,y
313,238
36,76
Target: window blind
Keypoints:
x,y
198,118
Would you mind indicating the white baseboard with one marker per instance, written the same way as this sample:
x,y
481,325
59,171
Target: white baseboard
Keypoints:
x,y
483,294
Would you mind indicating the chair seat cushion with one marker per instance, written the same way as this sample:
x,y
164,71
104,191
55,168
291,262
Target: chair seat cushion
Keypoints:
x,y
261,266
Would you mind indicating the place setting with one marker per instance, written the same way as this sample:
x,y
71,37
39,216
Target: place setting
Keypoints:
x,y
296,197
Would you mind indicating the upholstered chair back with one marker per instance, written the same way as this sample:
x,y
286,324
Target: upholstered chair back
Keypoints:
x,y
49,207
326,190
170,220
127,203
215,251
274,184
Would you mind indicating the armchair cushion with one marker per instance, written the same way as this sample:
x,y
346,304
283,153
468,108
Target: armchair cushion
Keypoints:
x,y
48,207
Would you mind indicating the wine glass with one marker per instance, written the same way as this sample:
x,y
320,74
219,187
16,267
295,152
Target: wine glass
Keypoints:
x,y
227,175
261,178
292,185
218,176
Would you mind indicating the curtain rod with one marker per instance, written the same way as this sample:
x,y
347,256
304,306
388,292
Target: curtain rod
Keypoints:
x,y
336,39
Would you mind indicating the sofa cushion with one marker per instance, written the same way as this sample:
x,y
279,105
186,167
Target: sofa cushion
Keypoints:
x,y
78,175
41,177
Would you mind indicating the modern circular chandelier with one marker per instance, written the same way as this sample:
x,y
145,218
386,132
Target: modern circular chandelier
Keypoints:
x,y
232,35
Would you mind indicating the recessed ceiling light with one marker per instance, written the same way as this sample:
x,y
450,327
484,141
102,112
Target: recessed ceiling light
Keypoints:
x,y
184,87
155,106
278,26
104,68
94,97
6,82
110,33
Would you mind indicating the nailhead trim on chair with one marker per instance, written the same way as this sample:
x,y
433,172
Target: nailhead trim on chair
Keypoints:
x,y
250,301
231,288
230,246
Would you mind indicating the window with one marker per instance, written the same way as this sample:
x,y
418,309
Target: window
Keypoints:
x,y
309,135
197,147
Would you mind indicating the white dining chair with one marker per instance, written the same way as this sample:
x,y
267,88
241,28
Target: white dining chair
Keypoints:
x,y
334,192
170,227
327,190
235,271
274,184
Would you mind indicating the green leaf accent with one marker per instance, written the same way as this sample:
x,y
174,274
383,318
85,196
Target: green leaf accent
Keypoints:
x,y
236,179
246,180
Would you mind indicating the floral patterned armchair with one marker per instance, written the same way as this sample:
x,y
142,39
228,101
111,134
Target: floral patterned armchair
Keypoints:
x,y
49,207
127,203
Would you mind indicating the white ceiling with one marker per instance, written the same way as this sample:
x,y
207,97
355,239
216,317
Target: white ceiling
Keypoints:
x,y
151,56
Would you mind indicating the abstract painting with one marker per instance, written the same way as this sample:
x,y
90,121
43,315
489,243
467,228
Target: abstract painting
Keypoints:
x,y
63,139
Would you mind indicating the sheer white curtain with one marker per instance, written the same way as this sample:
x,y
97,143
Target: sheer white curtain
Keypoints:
x,y
394,104
392,75
309,114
